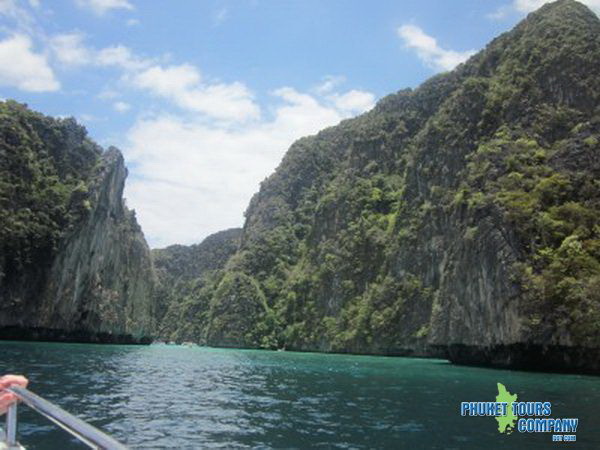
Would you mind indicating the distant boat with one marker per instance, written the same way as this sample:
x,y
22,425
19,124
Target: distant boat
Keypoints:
x,y
189,344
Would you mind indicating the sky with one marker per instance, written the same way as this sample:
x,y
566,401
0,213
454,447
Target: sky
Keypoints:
x,y
204,97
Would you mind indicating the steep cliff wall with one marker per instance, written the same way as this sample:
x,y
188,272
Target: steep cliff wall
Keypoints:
x,y
457,220
185,279
74,262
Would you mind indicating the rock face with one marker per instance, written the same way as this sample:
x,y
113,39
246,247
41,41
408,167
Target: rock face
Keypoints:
x,y
185,275
458,219
75,264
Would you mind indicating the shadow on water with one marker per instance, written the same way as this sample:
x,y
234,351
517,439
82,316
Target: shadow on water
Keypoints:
x,y
178,397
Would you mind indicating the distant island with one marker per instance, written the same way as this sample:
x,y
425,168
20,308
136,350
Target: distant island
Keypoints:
x,y
456,220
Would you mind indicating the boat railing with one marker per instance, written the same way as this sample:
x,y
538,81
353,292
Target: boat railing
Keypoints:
x,y
82,430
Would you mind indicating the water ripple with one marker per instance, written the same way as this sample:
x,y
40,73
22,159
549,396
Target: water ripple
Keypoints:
x,y
173,397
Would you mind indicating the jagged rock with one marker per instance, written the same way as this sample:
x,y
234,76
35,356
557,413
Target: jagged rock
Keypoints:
x,y
184,277
458,219
82,269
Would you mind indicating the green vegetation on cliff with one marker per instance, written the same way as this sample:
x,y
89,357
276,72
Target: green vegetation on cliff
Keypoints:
x,y
459,214
184,288
45,169
457,219
73,261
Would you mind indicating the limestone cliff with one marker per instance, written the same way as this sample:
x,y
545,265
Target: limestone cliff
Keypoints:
x,y
458,219
185,275
74,263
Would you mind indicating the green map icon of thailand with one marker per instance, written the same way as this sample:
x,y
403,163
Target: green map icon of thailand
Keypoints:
x,y
506,423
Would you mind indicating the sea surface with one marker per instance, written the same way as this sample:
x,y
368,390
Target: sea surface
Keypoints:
x,y
164,396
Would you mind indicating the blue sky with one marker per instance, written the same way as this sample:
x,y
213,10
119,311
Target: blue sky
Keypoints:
x,y
204,96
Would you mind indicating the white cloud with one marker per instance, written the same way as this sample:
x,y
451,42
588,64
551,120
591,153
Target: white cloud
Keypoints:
x,y
165,81
22,21
8,7
220,16
100,7
183,85
302,112
193,173
193,177
329,83
121,107
132,22
428,49
24,69
350,102
500,13
121,56
526,6
108,94
69,49
84,117
354,101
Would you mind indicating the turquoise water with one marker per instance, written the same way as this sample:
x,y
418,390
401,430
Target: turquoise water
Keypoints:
x,y
179,397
